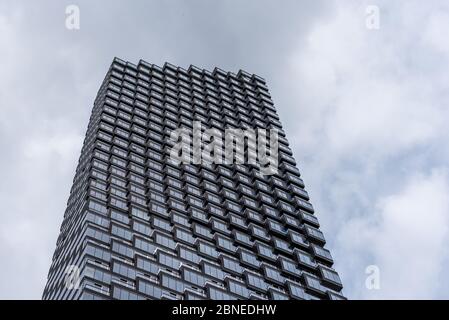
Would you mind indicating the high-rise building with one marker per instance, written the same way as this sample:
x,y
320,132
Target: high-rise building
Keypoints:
x,y
139,225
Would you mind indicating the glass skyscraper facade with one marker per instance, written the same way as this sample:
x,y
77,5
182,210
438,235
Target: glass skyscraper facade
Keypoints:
x,y
139,227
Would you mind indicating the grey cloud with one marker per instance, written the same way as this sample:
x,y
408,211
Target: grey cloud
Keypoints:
x,y
363,111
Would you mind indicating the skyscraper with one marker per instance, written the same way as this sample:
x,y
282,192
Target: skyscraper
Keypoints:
x,y
139,225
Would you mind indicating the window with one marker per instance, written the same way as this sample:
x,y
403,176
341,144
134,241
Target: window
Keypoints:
x,y
150,289
233,206
298,239
231,265
225,244
250,202
305,259
98,253
275,295
144,245
157,208
213,271
266,251
124,270
157,196
210,186
207,250
168,260
122,249
173,172
304,204
121,232
313,283
282,245
256,282
249,258
123,294
118,172
161,224
281,194
156,186
189,255
315,233
227,183
191,179
202,231
254,215
98,175
97,194
154,165
242,238
184,236
286,207
259,232
136,178
180,219
118,192
194,278
142,214
165,241
217,294
195,201
230,194
177,205
154,175
330,275
219,226
173,283
141,227
322,253
239,289
213,198
273,275
307,217
198,214
193,190
236,220
97,274
209,175
277,227
290,267
296,290
93,205
118,203
123,218
174,183
137,169
98,220
216,210
137,189
263,186
247,190
118,162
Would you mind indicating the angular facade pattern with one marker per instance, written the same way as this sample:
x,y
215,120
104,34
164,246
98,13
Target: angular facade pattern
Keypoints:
x,y
138,227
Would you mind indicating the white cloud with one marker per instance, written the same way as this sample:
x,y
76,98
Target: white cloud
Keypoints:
x,y
359,91
371,122
434,34
406,237
33,189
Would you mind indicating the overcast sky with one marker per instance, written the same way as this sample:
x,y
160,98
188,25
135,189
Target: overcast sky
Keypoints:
x,y
365,110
